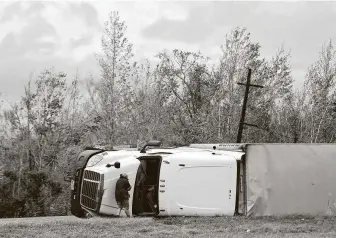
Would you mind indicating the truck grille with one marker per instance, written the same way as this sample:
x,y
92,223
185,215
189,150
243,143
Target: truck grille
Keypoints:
x,y
91,187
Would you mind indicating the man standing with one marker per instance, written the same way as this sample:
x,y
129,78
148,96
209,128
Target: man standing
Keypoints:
x,y
122,194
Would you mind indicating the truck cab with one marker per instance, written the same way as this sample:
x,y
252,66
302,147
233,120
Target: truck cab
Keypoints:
x,y
165,182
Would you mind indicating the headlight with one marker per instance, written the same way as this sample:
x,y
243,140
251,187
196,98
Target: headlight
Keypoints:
x,y
94,160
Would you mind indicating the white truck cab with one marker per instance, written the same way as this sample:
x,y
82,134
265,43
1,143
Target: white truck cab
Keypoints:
x,y
165,182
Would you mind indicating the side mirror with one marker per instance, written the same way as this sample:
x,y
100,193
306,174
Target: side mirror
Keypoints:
x,y
154,143
150,143
117,165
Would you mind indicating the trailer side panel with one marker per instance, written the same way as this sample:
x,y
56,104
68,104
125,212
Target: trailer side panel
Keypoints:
x,y
285,179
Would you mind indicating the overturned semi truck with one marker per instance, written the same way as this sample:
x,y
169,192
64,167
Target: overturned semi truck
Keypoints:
x,y
208,180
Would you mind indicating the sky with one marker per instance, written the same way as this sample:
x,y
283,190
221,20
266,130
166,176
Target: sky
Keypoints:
x,y
66,35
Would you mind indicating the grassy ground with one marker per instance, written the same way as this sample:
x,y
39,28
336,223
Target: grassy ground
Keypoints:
x,y
169,227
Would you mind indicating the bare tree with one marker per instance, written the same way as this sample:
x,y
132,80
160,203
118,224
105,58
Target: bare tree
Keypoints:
x,y
320,85
112,90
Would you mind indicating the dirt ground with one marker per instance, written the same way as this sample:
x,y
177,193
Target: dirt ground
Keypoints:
x,y
295,226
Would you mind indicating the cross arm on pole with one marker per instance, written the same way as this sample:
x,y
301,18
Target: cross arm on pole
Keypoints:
x,y
248,124
251,85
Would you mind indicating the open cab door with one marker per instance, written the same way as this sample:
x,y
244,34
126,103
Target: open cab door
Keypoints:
x,y
145,197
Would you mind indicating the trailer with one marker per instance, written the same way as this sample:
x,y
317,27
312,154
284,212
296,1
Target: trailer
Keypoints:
x,y
208,180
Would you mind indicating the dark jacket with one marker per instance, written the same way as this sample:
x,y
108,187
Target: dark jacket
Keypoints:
x,y
122,188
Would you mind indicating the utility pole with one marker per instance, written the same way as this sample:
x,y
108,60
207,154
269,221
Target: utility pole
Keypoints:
x,y
244,106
